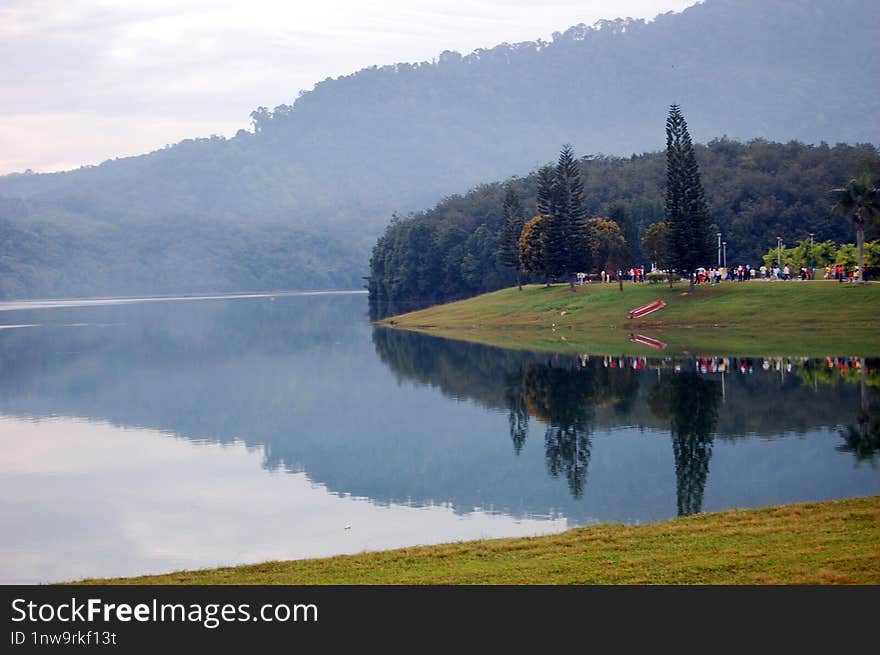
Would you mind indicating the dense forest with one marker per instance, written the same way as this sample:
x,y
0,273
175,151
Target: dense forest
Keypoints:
x,y
297,201
48,251
756,191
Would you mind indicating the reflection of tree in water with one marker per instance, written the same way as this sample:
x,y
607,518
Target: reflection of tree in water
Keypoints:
x,y
563,399
863,439
573,395
690,403
517,412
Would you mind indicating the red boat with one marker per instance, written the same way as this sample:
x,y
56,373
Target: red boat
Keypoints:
x,y
647,341
638,312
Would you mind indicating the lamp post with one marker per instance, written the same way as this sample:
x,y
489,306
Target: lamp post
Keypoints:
x,y
811,255
719,250
724,245
779,252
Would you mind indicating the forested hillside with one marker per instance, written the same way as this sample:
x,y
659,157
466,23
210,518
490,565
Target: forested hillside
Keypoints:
x,y
316,180
756,191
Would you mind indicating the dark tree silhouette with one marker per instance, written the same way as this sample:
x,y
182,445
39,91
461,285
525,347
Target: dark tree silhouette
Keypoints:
x,y
687,212
517,412
690,402
563,399
860,200
514,219
863,438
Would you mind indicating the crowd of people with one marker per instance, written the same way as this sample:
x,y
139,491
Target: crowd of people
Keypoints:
x,y
745,272
741,273
745,365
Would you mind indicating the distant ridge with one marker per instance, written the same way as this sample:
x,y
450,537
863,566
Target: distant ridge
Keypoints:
x,y
298,202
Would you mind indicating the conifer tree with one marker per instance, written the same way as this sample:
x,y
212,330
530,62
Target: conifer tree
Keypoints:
x,y
546,192
687,213
514,221
571,213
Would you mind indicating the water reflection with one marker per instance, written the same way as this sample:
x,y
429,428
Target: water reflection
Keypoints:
x,y
690,403
570,396
306,385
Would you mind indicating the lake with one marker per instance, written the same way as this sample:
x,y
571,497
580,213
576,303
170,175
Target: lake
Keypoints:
x,y
152,435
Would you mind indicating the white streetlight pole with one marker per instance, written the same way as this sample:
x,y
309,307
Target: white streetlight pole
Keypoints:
x,y
812,264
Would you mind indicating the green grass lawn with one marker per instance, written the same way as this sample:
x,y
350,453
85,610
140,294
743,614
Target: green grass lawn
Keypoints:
x,y
835,542
752,318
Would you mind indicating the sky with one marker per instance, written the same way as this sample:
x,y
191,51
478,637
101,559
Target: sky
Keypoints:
x,y
82,81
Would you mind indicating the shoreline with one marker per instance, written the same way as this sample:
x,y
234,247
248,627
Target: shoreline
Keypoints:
x,y
827,542
733,319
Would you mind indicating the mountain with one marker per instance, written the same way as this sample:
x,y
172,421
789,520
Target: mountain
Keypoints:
x,y
311,187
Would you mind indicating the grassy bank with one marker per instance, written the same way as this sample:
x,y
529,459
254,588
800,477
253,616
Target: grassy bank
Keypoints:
x,y
754,318
835,542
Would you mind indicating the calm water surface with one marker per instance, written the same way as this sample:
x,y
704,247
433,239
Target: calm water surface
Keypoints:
x,y
144,437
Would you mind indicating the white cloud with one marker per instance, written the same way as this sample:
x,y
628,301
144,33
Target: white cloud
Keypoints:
x,y
141,74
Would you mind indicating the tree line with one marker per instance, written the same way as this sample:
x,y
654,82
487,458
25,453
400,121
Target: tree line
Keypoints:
x,y
624,208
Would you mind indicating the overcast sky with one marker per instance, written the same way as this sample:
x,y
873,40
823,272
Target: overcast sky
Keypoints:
x,y
82,81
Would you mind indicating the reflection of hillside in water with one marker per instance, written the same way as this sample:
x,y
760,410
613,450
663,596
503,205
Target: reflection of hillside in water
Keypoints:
x,y
695,399
300,379
814,392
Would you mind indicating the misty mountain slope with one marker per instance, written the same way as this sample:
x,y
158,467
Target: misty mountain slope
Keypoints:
x,y
337,162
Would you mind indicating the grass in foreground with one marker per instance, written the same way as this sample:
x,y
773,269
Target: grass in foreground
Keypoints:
x,y
753,318
834,542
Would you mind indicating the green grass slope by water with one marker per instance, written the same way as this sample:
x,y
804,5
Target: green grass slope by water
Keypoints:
x,y
834,542
752,318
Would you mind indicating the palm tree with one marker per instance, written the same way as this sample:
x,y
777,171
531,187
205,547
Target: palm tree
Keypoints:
x,y
859,199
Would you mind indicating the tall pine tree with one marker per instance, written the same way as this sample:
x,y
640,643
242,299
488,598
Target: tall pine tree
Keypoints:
x,y
571,213
560,199
546,193
514,221
687,213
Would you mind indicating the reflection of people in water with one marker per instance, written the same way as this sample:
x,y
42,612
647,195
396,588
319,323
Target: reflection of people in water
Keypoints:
x,y
690,402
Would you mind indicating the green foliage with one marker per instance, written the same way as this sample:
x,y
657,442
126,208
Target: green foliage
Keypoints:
x,y
756,191
532,246
848,255
608,247
570,215
513,216
560,199
338,159
545,194
687,212
872,254
860,200
822,254
620,213
64,255
655,244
